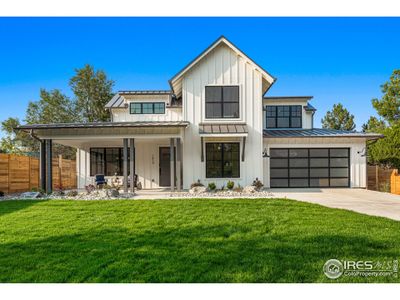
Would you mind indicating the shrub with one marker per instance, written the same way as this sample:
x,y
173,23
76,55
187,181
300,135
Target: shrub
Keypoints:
x,y
90,188
230,185
257,184
212,186
194,184
1,194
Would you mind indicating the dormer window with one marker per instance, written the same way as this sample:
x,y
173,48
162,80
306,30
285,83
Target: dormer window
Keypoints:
x,y
140,108
222,102
283,116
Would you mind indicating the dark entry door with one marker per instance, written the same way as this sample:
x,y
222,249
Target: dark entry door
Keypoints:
x,y
165,170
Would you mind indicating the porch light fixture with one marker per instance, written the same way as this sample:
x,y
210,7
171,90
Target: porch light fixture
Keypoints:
x,y
363,152
265,153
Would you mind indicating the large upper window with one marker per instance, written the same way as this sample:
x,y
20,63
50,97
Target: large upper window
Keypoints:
x,y
222,102
107,161
283,116
138,108
222,160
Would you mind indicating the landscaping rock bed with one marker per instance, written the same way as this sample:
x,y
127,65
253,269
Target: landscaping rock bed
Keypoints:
x,y
202,192
103,194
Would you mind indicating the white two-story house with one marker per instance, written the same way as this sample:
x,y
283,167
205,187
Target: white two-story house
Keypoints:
x,y
215,124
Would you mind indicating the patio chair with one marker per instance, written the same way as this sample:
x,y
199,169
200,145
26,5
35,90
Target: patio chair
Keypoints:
x,y
99,179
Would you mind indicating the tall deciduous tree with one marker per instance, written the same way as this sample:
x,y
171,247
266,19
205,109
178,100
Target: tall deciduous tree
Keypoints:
x,y
92,90
339,118
52,107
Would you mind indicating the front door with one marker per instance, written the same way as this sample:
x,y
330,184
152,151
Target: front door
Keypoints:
x,y
165,170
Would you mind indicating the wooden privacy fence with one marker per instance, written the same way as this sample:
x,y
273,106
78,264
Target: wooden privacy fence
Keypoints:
x,y
21,173
395,182
383,180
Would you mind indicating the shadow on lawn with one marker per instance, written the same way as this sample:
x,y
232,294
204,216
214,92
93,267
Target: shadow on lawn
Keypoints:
x,y
10,206
191,254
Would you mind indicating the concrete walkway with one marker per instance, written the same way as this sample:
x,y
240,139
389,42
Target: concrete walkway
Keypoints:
x,y
358,200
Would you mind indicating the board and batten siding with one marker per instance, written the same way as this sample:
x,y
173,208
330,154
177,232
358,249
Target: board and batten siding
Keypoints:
x,y
123,114
146,162
306,117
222,66
358,163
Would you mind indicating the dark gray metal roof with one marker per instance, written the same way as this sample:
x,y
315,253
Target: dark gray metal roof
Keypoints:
x,y
288,97
116,101
146,92
103,125
222,128
317,132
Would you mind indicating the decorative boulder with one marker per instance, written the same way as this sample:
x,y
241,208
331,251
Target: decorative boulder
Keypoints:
x,y
198,190
30,195
250,189
113,193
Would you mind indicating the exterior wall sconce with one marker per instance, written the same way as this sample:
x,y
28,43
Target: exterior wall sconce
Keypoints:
x,y
265,153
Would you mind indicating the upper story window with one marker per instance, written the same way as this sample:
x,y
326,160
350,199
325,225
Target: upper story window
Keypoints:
x,y
138,108
283,116
222,102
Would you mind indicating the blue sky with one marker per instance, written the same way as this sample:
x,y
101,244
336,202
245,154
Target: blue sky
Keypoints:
x,y
333,59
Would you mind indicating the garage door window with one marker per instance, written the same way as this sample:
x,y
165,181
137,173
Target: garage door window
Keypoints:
x,y
310,167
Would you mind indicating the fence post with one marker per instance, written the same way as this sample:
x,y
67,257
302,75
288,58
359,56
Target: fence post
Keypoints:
x,y
59,171
376,178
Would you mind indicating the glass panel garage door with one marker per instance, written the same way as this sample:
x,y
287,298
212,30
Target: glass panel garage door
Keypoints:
x,y
310,167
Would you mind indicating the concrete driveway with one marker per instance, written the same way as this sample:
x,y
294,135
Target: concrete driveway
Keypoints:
x,y
359,200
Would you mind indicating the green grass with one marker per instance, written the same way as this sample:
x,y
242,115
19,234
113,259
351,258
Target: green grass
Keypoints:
x,y
197,240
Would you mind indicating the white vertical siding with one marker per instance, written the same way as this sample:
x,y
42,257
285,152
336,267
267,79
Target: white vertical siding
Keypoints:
x,y
222,67
146,162
307,117
358,163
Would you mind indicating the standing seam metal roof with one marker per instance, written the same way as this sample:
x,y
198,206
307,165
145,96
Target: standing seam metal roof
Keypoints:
x,y
317,132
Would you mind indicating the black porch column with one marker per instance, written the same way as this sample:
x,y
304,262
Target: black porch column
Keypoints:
x,y
125,165
42,165
49,169
172,163
132,164
178,164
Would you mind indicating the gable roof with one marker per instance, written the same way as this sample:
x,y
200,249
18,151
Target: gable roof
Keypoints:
x,y
175,80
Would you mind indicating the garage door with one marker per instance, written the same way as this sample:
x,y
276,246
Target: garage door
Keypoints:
x,y
310,167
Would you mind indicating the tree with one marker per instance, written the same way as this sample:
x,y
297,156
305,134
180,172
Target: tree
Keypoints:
x,y
388,107
15,142
386,151
339,118
374,125
53,107
92,90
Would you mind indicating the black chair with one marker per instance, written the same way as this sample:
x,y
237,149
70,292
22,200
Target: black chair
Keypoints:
x,y
99,179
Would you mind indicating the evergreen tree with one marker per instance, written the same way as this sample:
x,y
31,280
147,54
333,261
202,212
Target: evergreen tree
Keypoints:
x,y
339,118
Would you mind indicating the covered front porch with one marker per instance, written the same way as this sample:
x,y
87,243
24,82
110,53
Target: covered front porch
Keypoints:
x,y
107,148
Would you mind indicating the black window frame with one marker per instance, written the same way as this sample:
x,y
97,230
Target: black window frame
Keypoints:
x,y
103,164
222,102
328,157
153,110
295,112
208,161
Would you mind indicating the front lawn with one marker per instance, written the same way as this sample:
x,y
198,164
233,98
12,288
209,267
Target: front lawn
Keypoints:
x,y
202,240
